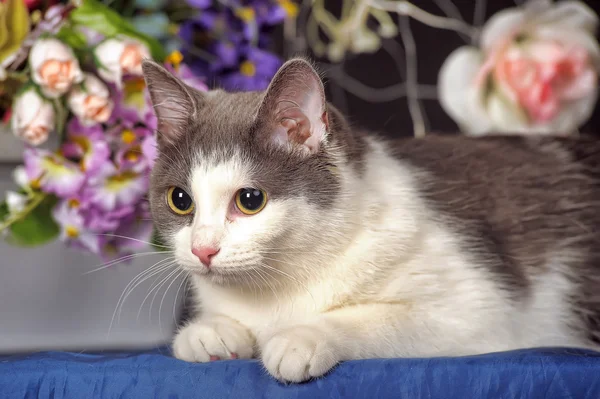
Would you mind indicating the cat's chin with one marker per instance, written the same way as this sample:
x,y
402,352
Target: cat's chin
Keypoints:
x,y
225,276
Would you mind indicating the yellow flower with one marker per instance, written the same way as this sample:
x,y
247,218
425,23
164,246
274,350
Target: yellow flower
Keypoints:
x,y
290,8
247,68
246,14
175,58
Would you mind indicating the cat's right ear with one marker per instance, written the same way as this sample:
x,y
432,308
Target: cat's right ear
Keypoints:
x,y
174,102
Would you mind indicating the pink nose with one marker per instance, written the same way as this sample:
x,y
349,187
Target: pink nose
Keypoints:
x,y
205,254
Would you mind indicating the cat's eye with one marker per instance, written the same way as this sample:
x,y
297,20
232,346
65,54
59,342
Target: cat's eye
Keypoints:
x,y
250,201
179,201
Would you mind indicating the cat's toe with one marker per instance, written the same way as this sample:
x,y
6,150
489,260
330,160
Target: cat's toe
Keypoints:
x,y
217,338
187,346
298,354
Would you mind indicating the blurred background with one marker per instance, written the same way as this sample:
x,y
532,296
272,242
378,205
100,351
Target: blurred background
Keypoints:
x,y
79,271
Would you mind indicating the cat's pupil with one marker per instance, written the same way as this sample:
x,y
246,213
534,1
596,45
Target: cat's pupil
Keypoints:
x,y
181,199
251,198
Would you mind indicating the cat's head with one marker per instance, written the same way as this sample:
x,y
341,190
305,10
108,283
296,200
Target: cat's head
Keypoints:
x,y
243,180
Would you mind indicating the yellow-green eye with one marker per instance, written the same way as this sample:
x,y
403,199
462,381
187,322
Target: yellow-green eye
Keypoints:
x,y
250,201
179,201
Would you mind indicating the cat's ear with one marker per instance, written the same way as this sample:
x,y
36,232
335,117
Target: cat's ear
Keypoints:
x,y
294,106
174,102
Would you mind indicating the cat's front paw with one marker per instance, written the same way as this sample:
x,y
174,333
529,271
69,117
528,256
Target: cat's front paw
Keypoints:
x,y
214,338
298,354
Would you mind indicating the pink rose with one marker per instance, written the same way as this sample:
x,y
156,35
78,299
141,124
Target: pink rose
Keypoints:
x,y
534,72
32,117
54,67
542,76
120,57
91,101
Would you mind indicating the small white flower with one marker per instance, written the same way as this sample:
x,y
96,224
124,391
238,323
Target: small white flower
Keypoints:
x,y
535,71
54,67
91,101
120,57
32,118
19,176
16,202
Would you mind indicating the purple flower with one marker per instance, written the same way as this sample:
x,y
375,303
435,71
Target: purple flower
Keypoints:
x,y
52,173
138,157
275,12
200,4
150,150
247,16
73,229
112,188
130,102
254,73
101,221
88,144
226,52
127,134
184,73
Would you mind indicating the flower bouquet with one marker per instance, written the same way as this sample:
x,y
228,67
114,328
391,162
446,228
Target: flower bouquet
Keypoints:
x,y
73,91
71,88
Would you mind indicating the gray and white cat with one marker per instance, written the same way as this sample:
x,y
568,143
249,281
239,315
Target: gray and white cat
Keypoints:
x,y
309,243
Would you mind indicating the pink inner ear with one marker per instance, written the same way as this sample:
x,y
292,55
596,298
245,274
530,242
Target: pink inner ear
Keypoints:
x,y
295,126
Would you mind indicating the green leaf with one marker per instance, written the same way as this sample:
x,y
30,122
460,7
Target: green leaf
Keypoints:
x,y
36,228
14,26
3,211
98,17
72,37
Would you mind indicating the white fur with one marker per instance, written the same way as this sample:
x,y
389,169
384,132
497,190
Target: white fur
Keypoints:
x,y
376,276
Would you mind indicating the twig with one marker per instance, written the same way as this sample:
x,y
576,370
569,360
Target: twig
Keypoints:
x,y
479,13
451,11
36,200
398,54
406,8
412,88
376,95
387,27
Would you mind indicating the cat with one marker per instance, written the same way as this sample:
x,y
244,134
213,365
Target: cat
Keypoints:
x,y
309,243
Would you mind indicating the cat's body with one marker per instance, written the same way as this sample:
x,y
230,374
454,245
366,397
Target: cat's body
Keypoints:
x,y
367,247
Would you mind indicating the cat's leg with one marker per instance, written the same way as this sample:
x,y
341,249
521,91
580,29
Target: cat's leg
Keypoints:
x,y
213,337
299,352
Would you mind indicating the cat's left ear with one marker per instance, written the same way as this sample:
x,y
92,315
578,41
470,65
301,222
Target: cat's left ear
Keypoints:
x,y
294,108
174,102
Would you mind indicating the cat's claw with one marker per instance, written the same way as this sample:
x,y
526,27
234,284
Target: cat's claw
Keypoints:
x,y
213,339
298,354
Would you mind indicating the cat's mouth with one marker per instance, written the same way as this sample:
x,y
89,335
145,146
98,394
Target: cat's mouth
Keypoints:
x,y
222,273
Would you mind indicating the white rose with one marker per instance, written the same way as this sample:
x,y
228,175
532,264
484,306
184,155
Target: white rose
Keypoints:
x,y
16,202
120,57
91,101
54,67
32,118
535,71
19,175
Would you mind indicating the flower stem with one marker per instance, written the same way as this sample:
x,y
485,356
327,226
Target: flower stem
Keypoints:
x,y
35,201
61,118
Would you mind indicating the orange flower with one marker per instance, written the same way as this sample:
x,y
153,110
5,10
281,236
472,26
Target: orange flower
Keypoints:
x,y
91,102
118,58
54,67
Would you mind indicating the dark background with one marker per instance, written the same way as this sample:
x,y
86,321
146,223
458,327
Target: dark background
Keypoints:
x,y
384,68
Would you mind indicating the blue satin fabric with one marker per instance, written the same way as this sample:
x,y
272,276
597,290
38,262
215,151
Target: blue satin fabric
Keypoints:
x,y
546,373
